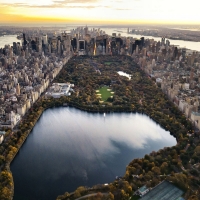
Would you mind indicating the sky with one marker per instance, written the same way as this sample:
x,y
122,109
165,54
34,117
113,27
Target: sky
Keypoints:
x,y
100,11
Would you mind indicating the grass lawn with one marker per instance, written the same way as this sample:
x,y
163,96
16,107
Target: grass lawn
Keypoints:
x,y
109,63
105,93
135,197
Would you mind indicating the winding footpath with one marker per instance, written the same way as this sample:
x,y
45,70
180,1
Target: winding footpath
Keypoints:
x,y
90,195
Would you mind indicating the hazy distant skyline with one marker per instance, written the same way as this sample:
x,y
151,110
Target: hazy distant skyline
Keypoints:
x,y
100,11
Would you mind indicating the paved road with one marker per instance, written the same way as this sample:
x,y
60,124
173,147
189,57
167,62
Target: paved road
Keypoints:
x,y
89,195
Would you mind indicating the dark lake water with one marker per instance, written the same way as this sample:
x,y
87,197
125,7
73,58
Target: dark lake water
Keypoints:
x,y
69,148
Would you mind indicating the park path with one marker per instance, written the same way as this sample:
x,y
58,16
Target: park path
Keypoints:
x,y
89,195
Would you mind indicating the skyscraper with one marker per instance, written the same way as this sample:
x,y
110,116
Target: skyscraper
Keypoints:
x,y
24,40
74,44
142,41
18,89
162,41
192,74
81,44
44,38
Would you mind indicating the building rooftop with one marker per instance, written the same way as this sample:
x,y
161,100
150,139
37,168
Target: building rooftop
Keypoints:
x,y
196,113
2,132
142,189
164,191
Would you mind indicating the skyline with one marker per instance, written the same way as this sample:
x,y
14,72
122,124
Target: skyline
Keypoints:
x,y
119,12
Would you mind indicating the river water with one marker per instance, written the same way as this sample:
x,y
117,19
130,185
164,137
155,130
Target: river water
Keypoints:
x,y
69,148
8,40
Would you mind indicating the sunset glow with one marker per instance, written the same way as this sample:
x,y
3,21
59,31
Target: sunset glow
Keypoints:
x,y
99,11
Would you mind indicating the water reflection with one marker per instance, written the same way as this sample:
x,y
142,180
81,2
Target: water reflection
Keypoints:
x,y
124,74
8,40
68,148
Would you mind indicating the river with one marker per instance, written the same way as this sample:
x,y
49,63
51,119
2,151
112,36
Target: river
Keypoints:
x,y
8,40
68,148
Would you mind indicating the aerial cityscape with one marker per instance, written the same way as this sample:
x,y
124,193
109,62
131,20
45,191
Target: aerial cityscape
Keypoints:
x,y
99,100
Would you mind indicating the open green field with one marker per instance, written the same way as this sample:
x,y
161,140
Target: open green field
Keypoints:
x,y
109,63
105,93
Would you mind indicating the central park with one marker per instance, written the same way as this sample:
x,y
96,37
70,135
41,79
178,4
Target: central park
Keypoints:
x,y
98,88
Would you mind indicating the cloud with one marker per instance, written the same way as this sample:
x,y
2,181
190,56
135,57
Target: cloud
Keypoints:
x,y
64,6
122,9
87,4
74,1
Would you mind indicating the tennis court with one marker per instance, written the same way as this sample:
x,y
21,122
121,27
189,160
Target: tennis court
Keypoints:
x,y
164,191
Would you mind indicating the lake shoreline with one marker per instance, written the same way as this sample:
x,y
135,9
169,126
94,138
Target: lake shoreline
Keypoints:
x,y
85,113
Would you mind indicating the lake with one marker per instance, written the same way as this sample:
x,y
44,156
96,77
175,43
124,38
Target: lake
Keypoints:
x,y
124,74
69,148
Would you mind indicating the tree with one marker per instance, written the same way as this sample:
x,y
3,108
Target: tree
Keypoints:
x,y
124,195
197,150
5,193
164,167
193,197
77,194
2,159
156,170
110,196
79,191
181,181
